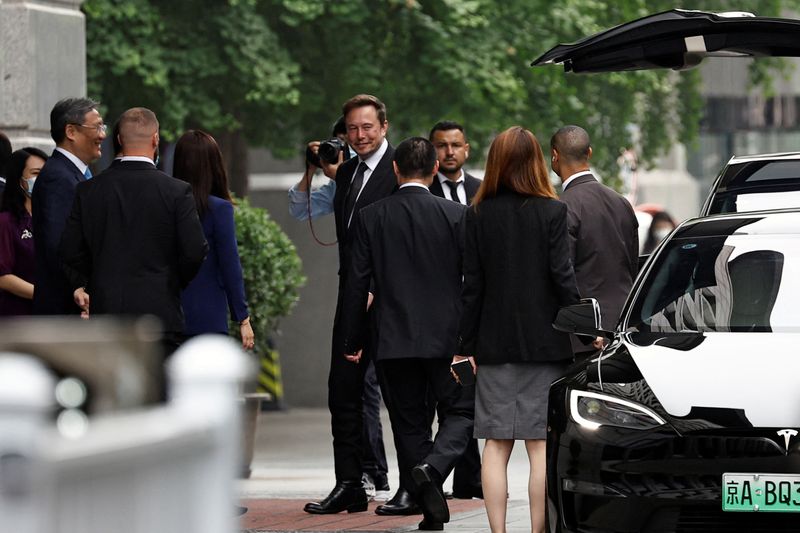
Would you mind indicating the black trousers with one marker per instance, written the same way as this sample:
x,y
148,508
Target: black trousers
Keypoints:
x,y
467,472
405,384
355,413
373,453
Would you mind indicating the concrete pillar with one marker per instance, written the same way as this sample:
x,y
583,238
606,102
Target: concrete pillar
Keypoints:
x,y
42,59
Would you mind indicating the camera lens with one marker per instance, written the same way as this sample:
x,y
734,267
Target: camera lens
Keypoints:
x,y
329,150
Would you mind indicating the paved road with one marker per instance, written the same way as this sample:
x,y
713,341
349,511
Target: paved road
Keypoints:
x,y
293,464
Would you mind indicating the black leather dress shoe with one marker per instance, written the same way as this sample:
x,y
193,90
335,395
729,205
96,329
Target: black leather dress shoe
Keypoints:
x,y
428,524
346,496
401,504
429,490
467,493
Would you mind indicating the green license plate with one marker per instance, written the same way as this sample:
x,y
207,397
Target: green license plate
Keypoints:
x,y
761,492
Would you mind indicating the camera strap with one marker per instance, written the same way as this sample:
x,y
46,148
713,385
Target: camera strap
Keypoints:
x,y
310,221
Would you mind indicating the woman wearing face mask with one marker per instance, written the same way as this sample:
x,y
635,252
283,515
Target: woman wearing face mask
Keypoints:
x,y
16,233
661,226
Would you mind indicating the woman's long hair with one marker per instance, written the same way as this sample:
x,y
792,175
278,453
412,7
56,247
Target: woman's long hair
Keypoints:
x,y
198,161
13,196
516,162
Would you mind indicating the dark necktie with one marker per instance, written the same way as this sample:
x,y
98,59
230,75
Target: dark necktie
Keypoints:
x,y
453,191
352,192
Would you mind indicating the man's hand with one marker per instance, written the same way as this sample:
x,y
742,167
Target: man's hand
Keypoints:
x,y
370,299
354,357
598,343
81,298
456,359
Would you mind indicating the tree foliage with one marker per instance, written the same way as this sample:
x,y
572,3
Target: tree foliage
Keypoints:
x,y
271,267
277,71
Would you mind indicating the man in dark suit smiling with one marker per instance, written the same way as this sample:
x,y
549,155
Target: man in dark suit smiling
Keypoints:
x,y
410,247
78,131
360,181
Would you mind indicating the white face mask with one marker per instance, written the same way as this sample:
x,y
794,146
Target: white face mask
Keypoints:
x,y
29,185
661,233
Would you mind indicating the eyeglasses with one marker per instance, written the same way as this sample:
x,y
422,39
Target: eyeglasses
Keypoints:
x,y
99,128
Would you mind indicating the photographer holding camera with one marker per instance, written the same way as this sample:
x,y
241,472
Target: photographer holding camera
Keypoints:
x,y
359,453
326,155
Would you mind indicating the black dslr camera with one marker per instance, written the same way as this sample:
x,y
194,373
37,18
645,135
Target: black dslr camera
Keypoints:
x,y
328,152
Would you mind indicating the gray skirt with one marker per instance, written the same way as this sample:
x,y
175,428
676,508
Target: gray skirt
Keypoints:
x,y
511,399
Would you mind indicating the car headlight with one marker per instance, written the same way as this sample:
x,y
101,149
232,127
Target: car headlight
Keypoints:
x,y
592,410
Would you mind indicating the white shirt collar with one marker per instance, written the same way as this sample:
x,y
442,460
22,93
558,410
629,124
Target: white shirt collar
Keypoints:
x,y
373,160
75,161
141,158
413,184
572,178
443,178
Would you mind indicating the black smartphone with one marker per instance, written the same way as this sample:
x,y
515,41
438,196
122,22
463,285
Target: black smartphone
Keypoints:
x,y
463,369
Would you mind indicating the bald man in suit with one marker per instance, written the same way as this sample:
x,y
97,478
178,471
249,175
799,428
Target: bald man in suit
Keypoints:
x,y
603,231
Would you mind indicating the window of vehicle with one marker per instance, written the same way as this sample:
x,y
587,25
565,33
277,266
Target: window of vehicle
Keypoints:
x,y
756,186
737,282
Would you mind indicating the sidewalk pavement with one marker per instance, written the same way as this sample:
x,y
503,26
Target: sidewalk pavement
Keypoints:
x,y
293,464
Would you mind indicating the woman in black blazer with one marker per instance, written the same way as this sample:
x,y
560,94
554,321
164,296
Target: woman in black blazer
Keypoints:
x,y
517,273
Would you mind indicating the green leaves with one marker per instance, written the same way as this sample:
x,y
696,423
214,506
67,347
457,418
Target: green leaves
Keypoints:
x,y
278,71
272,270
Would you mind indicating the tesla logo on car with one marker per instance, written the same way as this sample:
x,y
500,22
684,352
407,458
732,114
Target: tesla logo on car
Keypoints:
x,y
787,435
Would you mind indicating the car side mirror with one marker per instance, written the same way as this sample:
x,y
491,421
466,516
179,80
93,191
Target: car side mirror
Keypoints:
x,y
582,319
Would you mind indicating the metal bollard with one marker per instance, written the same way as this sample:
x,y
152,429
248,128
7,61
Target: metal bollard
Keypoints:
x,y
26,399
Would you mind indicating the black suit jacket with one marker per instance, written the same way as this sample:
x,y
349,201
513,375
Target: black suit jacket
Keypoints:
x,y
471,186
51,202
411,245
517,274
134,240
380,184
604,245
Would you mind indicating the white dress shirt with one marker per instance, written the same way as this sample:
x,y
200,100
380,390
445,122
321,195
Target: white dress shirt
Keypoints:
x,y
462,190
372,163
572,178
75,161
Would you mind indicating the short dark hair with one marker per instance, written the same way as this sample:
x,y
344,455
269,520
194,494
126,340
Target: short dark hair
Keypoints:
x,y
361,100
68,111
572,144
339,127
446,125
13,199
5,153
415,158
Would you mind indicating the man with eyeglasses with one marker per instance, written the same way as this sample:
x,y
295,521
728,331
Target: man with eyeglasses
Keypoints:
x,y
78,131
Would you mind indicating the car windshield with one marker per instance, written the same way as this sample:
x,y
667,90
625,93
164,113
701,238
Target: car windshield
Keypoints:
x,y
756,186
732,283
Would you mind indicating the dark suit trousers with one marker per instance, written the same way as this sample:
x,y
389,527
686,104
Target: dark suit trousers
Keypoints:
x,y
373,455
467,472
357,439
405,384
